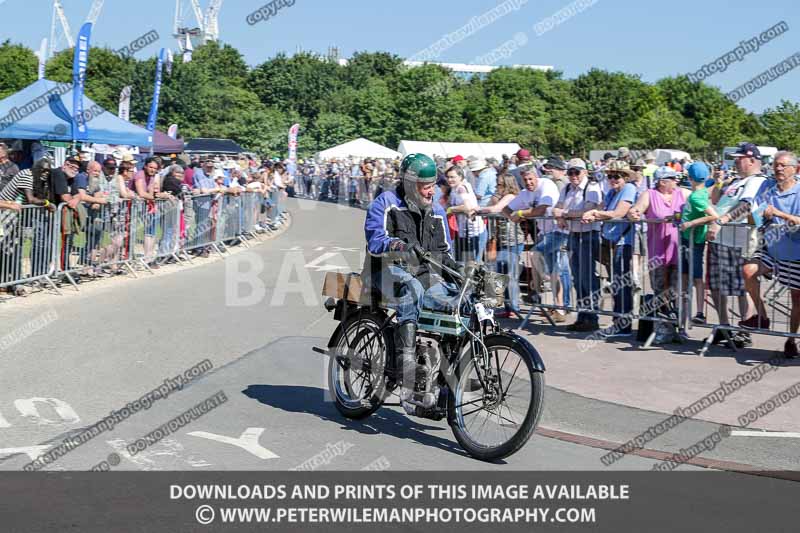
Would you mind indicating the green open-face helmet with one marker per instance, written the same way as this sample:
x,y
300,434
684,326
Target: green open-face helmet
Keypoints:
x,y
416,168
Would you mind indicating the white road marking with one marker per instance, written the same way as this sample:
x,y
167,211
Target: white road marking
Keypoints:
x,y
317,264
168,448
31,451
780,434
27,408
248,441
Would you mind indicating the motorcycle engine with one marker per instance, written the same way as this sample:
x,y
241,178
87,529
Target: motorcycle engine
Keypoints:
x,y
426,388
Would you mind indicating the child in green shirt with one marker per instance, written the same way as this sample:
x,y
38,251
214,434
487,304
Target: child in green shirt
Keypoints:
x,y
697,212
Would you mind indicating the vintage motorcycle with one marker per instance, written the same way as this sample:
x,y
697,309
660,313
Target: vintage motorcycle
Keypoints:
x,y
488,382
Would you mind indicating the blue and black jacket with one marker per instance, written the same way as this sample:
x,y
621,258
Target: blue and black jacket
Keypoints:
x,y
390,218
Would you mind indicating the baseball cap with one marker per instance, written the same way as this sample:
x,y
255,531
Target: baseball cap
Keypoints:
x,y
607,156
456,159
665,173
109,161
576,162
523,154
624,151
555,162
747,150
74,160
698,171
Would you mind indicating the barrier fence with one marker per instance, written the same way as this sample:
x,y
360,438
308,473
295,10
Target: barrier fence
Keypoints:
x,y
742,248
629,271
39,244
28,245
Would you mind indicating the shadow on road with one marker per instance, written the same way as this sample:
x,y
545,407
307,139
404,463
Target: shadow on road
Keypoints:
x,y
385,421
744,356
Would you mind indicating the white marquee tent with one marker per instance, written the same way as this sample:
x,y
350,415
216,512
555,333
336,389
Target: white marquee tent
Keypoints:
x,y
449,150
359,148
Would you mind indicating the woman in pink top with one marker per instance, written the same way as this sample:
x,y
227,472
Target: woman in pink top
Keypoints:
x,y
663,240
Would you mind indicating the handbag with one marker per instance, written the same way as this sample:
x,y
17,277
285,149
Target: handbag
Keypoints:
x,y
452,224
491,250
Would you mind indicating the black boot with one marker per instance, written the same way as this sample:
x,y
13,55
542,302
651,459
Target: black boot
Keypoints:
x,y
405,349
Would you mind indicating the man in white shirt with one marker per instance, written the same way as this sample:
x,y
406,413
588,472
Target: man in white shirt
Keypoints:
x,y
580,196
524,161
537,200
729,246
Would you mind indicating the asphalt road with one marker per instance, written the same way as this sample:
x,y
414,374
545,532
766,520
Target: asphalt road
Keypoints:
x,y
255,316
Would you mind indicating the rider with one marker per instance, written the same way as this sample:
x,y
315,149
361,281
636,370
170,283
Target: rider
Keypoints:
x,y
398,223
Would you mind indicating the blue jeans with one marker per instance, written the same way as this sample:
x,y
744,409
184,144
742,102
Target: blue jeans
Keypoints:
x,y
276,202
621,288
467,248
202,220
565,276
405,294
584,250
508,263
555,260
549,247
483,240
167,246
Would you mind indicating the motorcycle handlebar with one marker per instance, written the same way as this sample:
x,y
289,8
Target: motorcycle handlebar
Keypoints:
x,y
428,257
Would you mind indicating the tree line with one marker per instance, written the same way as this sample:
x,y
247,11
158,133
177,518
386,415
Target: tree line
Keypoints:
x,y
375,96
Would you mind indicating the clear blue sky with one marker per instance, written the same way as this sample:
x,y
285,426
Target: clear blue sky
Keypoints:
x,y
653,39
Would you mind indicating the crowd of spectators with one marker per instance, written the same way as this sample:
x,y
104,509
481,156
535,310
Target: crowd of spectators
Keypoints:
x,y
582,229
98,195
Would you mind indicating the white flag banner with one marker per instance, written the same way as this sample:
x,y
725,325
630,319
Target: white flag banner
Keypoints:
x,y
125,103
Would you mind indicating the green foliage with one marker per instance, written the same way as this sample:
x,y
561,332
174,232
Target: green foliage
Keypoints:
x,y
783,125
375,96
331,129
18,67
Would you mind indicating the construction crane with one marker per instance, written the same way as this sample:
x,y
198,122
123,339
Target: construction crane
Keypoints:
x,y
212,21
204,27
94,12
59,20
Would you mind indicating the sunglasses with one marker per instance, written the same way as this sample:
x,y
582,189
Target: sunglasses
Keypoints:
x,y
615,176
574,172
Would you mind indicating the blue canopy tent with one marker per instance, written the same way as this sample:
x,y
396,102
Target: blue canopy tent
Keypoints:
x,y
43,110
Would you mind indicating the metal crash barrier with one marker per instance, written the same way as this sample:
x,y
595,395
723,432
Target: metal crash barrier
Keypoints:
x,y
44,245
568,266
725,265
28,246
644,271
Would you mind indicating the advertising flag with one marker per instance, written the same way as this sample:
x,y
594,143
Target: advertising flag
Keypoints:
x,y
80,131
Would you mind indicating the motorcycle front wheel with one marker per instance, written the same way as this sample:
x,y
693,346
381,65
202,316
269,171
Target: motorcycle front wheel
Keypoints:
x,y
494,414
356,377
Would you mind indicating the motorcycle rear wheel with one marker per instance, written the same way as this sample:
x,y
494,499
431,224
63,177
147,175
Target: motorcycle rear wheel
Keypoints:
x,y
356,378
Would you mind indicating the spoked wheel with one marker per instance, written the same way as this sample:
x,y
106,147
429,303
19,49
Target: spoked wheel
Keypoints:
x,y
495,421
356,371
